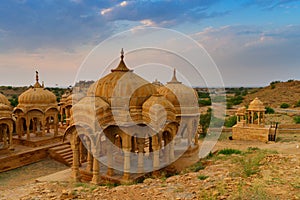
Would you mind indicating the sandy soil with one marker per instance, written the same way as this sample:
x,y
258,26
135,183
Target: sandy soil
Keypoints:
x,y
278,177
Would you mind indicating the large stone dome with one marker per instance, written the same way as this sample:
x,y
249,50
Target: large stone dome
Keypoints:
x,y
37,97
122,88
184,98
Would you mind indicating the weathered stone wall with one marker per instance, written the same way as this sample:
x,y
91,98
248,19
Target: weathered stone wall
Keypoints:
x,y
24,158
288,128
250,133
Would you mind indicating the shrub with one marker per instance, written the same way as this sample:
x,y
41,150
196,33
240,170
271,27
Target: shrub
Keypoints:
x,y
205,120
204,102
203,95
273,86
236,100
202,177
195,167
284,105
297,119
229,105
297,104
270,110
230,122
229,151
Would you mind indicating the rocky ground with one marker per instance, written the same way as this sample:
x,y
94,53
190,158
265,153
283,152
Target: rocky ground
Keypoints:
x,y
257,171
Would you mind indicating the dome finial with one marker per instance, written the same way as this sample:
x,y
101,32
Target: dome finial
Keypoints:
x,y
174,79
122,53
122,66
37,76
37,84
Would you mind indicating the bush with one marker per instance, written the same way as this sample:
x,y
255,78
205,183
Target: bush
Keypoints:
x,y
229,105
230,122
205,120
204,102
273,86
270,110
297,119
203,95
236,100
202,177
284,105
297,104
229,151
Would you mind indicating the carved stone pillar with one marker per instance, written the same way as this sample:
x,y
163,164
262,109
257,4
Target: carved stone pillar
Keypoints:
x,y
172,155
110,170
155,153
5,136
140,143
96,177
43,127
11,147
126,169
89,162
55,125
75,165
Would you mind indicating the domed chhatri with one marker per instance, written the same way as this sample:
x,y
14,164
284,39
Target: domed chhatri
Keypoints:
x,y
6,123
37,111
122,87
124,110
66,102
251,123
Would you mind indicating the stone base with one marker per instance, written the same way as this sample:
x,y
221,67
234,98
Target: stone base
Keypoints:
x,y
251,133
188,158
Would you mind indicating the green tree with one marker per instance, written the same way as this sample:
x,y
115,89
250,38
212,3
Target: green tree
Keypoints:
x,y
205,120
230,121
269,110
284,105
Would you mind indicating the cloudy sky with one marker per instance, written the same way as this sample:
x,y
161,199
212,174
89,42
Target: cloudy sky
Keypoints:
x,y
251,42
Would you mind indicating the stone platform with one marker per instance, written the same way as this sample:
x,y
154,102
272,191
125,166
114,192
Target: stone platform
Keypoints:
x,y
25,152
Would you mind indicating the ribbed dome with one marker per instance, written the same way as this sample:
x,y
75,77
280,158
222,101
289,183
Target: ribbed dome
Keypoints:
x,y
184,98
37,97
122,87
256,105
4,100
156,106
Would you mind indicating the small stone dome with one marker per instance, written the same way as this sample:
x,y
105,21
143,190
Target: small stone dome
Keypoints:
x,y
122,87
5,107
256,105
241,111
155,105
4,100
37,96
184,98
74,98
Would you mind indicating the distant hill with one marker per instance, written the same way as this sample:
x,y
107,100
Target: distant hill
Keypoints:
x,y
276,93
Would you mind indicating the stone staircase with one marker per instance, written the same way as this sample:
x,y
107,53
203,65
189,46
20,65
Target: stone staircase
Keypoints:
x,y
62,153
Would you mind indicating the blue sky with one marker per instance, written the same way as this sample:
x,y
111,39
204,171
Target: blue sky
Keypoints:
x,y
252,42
